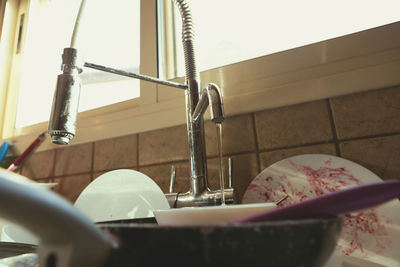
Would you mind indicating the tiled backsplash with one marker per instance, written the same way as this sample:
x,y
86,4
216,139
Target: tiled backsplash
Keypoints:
x,y
363,127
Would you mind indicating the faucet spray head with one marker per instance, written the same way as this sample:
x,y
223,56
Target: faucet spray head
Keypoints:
x,y
62,123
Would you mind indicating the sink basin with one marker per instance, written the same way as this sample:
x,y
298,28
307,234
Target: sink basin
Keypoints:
x,y
210,215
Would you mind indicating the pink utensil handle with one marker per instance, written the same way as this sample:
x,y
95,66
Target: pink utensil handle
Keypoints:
x,y
27,151
335,203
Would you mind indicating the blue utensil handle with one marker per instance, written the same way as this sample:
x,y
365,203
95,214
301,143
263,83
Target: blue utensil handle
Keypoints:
x,y
335,203
3,150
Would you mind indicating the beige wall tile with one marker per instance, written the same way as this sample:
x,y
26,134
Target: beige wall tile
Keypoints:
x,y
96,174
380,155
164,145
370,113
73,160
39,165
115,153
269,158
244,170
213,173
161,174
237,135
293,125
70,187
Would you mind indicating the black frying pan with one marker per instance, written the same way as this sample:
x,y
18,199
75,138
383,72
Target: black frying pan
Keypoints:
x,y
281,243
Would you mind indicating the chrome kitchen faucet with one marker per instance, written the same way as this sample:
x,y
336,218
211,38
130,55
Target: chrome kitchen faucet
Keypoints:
x,y
64,112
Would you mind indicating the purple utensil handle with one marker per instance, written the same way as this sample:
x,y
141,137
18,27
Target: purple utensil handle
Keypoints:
x,y
335,203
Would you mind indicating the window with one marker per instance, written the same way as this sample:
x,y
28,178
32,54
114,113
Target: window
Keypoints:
x,y
232,31
109,36
2,10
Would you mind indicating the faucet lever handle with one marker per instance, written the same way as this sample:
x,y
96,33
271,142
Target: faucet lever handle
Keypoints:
x,y
172,180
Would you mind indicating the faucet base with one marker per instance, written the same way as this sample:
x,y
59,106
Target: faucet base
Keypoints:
x,y
207,198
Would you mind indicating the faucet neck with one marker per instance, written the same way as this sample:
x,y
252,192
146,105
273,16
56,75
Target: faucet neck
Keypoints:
x,y
195,129
196,140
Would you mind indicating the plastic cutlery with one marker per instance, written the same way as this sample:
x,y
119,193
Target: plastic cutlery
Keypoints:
x,y
335,203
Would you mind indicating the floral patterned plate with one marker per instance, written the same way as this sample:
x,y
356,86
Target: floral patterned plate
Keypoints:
x,y
372,234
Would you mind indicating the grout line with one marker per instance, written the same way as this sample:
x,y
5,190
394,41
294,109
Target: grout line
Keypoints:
x,y
53,171
369,136
212,157
137,151
92,164
297,146
329,142
73,174
333,127
165,163
257,152
233,154
255,136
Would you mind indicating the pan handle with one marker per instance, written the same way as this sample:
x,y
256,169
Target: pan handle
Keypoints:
x,y
67,237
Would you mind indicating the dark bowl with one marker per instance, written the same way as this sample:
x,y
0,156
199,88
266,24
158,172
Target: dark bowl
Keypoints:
x,y
306,243
9,249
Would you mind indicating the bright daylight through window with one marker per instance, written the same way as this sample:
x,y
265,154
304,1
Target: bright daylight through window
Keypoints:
x,y
110,36
231,31
227,31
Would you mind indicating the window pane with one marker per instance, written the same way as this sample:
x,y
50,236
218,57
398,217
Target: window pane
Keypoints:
x,y
229,31
110,36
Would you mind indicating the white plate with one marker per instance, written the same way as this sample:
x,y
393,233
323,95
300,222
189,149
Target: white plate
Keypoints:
x,y
372,234
209,215
24,180
121,195
16,234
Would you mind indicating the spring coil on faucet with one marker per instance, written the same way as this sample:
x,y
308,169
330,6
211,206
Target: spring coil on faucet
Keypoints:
x,y
188,40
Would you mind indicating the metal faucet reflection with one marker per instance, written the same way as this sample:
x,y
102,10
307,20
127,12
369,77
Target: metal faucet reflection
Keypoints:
x,y
63,117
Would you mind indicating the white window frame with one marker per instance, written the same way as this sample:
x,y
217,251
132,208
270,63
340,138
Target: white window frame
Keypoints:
x,y
352,63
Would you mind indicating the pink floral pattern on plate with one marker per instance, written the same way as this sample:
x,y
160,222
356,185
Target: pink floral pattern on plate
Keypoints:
x,y
368,234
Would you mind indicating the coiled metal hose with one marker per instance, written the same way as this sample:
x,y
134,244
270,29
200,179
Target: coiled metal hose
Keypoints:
x,y
188,40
